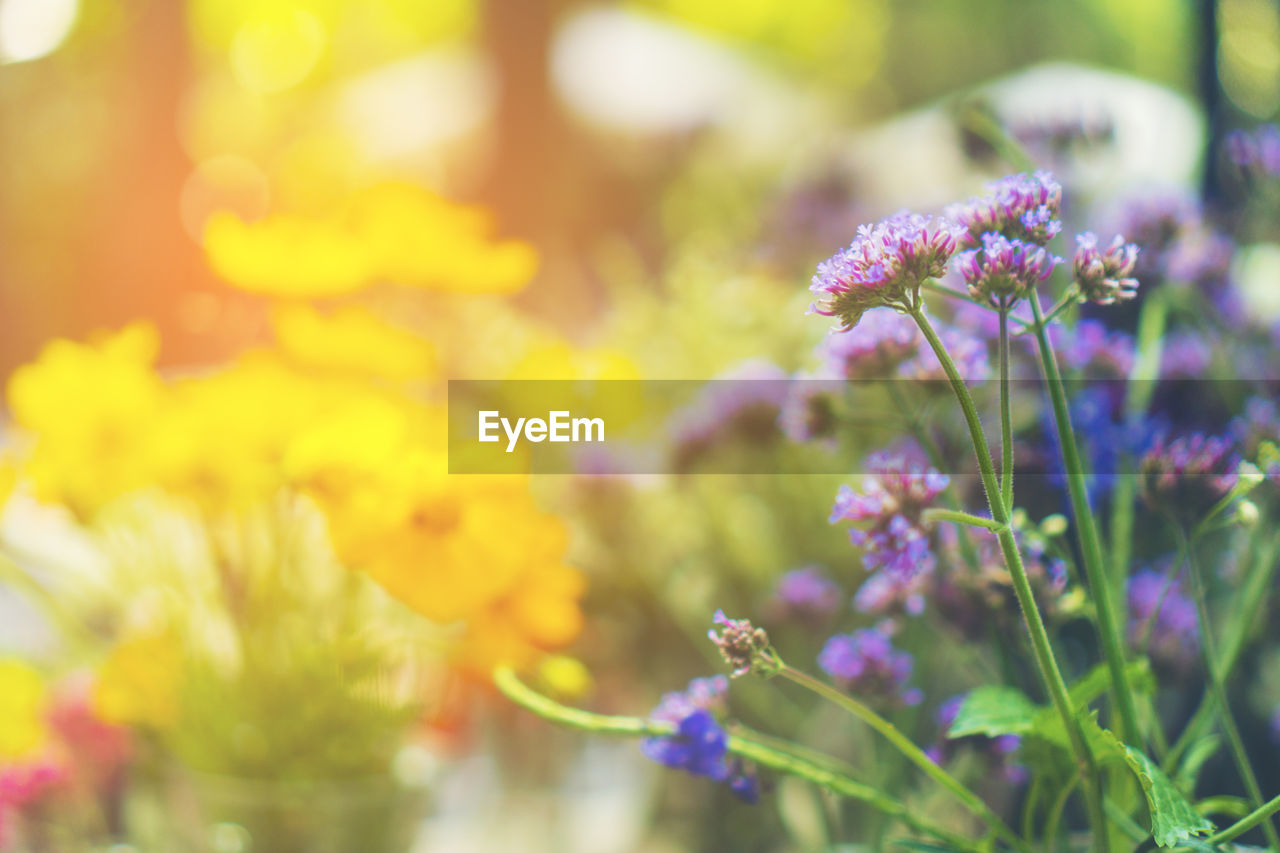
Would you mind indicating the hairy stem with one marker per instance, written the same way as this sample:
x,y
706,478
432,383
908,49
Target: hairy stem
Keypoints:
x,y
1045,660
743,742
1006,417
1087,531
905,746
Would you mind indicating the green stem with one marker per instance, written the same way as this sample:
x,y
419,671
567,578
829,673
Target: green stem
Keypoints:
x,y
1087,531
1050,837
1070,297
1249,601
918,429
1246,823
936,514
943,290
744,743
904,745
1006,417
1045,660
1216,682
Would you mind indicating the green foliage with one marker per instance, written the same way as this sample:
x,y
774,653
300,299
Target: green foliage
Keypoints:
x,y
995,710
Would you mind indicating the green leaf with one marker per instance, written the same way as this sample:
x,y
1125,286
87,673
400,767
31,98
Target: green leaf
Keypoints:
x,y
1097,681
1173,818
994,711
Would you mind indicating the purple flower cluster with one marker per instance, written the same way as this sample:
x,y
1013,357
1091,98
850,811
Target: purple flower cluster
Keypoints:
x,y
744,399
884,266
1163,617
1003,270
1188,475
1095,350
1185,355
1105,276
866,662
968,352
743,646
700,745
1256,152
883,341
895,492
806,593
883,592
1021,207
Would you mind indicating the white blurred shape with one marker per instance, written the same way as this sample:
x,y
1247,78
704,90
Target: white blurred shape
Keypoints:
x,y
30,29
415,104
1257,269
630,72
917,159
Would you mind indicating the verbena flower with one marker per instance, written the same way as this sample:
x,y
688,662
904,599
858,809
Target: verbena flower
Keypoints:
x,y
806,593
743,646
1187,476
883,341
1185,355
1105,276
883,267
1162,614
1094,350
968,352
885,592
1257,152
1020,207
809,412
742,400
897,489
1003,270
980,598
867,663
700,745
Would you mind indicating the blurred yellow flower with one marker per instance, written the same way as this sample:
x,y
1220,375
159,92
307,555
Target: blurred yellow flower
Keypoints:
x,y
89,406
392,232
22,707
351,339
138,682
565,677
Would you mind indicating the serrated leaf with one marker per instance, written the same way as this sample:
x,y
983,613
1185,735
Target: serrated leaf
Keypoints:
x,y
994,711
1173,818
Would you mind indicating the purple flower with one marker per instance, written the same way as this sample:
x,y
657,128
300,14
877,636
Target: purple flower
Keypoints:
x,y
1163,616
1020,207
882,341
743,646
1093,349
867,663
895,492
1256,152
699,745
809,412
807,593
883,592
884,266
1004,270
1105,277
744,399
1185,355
1188,475
968,352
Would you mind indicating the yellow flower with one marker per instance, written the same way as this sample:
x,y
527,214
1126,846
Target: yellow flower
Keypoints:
x,y
138,682
391,232
89,407
22,707
351,339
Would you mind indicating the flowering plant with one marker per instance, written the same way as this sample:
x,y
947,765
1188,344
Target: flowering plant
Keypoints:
x,y
1101,767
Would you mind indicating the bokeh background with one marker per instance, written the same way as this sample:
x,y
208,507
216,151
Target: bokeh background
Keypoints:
x,y
529,189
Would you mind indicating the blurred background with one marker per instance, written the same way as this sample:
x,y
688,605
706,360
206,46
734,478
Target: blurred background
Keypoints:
x,y
588,129
319,210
